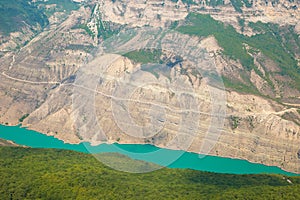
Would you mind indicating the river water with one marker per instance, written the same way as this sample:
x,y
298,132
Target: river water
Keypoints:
x,y
150,153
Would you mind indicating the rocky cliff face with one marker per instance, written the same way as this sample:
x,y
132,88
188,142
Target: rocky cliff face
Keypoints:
x,y
7,143
40,78
160,13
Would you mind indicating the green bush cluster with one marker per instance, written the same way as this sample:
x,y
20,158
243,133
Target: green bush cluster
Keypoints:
x,y
145,56
23,117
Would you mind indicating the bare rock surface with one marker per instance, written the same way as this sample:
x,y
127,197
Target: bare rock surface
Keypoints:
x,y
39,79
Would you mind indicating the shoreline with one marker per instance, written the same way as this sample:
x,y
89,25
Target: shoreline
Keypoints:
x,y
88,145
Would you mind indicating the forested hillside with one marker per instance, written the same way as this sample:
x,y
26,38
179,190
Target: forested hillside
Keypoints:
x,y
277,43
14,16
59,174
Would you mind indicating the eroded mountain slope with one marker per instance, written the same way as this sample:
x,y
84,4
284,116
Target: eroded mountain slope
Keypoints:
x,y
262,88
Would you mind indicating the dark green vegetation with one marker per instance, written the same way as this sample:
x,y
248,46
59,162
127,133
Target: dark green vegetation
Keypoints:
x,y
248,3
277,43
237,4
145,56
14,16
84,27
107,29
154,61
23,117
234,121
59,174
215,3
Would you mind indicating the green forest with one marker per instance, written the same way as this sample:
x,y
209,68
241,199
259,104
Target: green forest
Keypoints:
x,y
16,15
28,173
271,41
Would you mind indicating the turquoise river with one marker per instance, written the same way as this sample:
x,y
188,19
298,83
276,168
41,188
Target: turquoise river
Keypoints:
x,y
149,153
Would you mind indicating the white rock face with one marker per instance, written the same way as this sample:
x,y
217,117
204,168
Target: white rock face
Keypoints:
x,y
140,13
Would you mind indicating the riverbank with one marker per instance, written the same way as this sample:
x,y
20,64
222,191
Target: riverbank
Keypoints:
x,y
149,153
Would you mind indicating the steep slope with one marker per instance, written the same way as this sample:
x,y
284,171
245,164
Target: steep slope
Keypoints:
x,y
19,22
7,143
18,15
268,59
259,63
